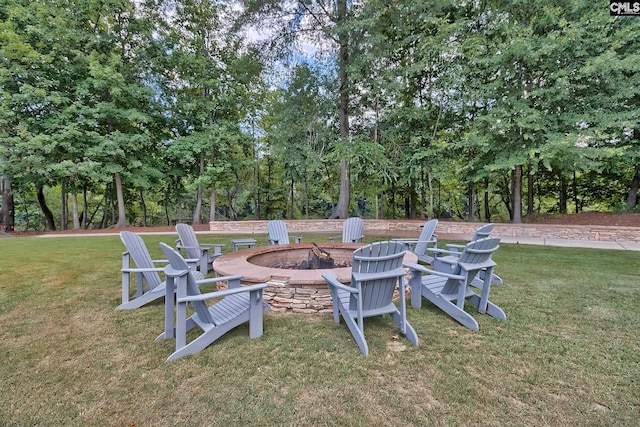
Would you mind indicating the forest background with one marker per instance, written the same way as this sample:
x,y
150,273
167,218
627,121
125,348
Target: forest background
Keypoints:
x,y
149,112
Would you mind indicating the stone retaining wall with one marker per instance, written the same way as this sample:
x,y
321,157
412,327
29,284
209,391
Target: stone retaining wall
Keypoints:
x,y
451,229
548,231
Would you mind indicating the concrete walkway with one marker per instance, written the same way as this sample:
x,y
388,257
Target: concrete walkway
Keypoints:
x,y
568,243
629,246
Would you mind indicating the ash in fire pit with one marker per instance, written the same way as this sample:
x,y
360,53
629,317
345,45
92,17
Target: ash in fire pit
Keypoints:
x,y
318,259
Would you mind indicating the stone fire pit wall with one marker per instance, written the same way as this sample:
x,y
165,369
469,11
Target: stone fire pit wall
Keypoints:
x,y
308,299
294,299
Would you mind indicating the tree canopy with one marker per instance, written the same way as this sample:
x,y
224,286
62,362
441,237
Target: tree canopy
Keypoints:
x,y
146,112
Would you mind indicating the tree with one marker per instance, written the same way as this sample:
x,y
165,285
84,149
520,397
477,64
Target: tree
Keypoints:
x,y
325,23
204,78
85,110
299,134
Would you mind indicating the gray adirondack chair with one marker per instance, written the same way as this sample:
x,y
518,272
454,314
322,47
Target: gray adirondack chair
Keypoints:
x,y
233,307
149,284
278,234
206,253
481,232
423,245
445,259
352,231
443,288
375,272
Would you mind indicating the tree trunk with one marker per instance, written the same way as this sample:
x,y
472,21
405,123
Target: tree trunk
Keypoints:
x,y
291,195
407,203
64,215
393,200
423,196
530,207
342,208
198,209
143,206
562,194
108,194
213,193
471,201
212,202
517,195
74,211
167,191
305,189
487,208
256,183
122,217
576,200
8,206
506,194
632,197
48,215
85,208
430,183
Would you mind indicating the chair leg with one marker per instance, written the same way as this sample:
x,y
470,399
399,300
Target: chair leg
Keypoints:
x,y
410,333
204,263
335,302
357,334
207,338
255,314
489,309
415,282
138,302
169,304
451,309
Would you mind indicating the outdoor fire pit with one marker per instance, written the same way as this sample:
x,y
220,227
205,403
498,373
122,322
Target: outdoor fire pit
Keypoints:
x,y
290,289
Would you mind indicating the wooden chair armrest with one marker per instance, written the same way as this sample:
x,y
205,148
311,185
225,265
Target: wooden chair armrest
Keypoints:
x,y
415,267
210,245
332,281
396,272
141,270
439,251
405,240
423,269
455,246
224,293
234,278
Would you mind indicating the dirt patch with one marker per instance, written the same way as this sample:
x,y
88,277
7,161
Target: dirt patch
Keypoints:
x,y
626,219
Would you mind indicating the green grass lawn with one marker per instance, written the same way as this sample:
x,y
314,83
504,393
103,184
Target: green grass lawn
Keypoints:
x,y
568,354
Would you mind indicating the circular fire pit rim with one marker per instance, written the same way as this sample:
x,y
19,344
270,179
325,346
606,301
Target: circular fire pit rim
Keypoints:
x,y
239,263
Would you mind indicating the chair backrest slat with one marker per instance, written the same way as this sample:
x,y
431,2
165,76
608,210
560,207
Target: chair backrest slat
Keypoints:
x,y
179,264
141,257
277,231
482,232
377,258
475,257
352,230
425,236
188,240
